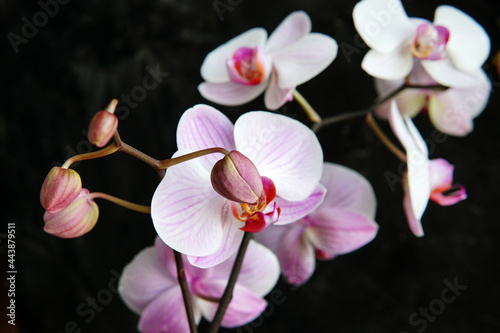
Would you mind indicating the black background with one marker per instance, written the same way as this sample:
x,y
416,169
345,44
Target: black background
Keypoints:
x,y
93,51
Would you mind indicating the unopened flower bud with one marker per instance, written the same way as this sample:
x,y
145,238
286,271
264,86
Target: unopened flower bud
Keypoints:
x,y
75,220
236,178
60,188
102,128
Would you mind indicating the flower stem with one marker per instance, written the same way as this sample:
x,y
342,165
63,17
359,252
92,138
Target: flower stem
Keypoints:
x,y
121,202
311,113
228,292
112,148
383,138
179,159
186,295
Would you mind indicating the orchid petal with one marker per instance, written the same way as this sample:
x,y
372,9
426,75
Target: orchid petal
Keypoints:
x,y
227,245
186,211
291,29
214,69
388,66
441,174
275,97
165,314
297,257
456,196
410,102
469,44
339,231
292,211
244,307
445,73
304,59
413,221
202,127
230,93
143,279
347,189
417,160
271,236
259,272
383,24
452,111
282,149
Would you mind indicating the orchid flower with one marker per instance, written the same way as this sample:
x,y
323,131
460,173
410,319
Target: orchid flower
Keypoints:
x,y
194,219
451,49
424,179
450,111
249,64
149,287
341,224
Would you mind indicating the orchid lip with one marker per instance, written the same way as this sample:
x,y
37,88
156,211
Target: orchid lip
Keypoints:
x,y
430,42
247,67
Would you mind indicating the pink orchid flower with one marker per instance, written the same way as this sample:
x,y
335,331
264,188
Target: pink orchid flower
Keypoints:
x,y
343,223
149,287
424,179
249,64
191,217
451,111
451,49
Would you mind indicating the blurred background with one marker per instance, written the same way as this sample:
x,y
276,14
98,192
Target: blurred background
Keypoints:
x,y
83,54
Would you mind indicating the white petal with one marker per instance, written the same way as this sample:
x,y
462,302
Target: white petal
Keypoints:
x,y
230,93
388,66
445,73
294,27
276,97
469,44
214,69
413,221
282,149
187,213
292,211
304,59
383,24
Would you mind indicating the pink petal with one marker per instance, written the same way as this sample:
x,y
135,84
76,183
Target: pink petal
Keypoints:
x,y
143,280
282,149
292,211
383,24
165,314
417,160
227,246
294,27
449,199
304,59
275,97
214,69
229,93
346,189
296,256
244,307
469,44
340,231
445,73
388,66
452,111
413,220
271,236
202,127
441,174
187,213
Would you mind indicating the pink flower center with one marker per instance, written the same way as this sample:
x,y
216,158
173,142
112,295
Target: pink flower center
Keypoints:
x,y
430,42
247,66
253,215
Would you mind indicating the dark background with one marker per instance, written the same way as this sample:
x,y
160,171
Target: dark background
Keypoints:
x,y
93,51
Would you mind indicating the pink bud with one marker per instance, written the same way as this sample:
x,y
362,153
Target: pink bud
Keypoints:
x,y
236,178
75,220
102,128
60,188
